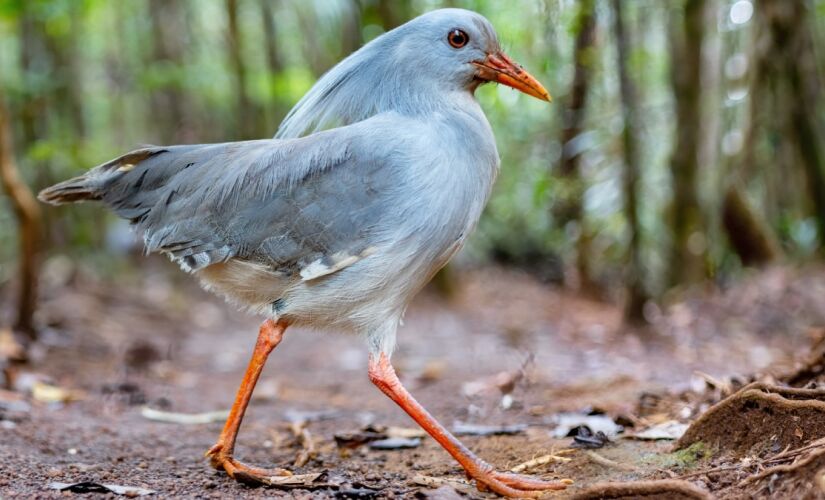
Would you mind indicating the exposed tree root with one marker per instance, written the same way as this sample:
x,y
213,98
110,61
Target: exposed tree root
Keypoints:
x,y
667,488
760,417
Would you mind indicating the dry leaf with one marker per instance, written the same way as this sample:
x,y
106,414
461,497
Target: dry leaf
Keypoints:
x,y
184,418
47,393
92,487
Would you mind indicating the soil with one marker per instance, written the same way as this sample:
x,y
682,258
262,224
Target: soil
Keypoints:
x,y
503,349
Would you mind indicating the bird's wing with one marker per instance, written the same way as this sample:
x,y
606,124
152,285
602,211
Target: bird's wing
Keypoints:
x,y
304,206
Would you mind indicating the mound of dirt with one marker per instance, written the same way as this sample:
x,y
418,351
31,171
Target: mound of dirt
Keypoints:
x,y
760,418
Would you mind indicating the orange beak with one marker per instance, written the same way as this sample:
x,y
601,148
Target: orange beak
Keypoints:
x,y
500,68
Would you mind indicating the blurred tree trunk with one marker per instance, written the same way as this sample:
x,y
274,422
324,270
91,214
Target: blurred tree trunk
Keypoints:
x,y
32,111
66,77
351,39
784,102
275,65
247,116
748,235
389,14
27,212
688,253
570,207
32,47
793,58
637,295
168,49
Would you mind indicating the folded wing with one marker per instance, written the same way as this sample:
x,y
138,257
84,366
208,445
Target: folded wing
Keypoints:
x,y
303,207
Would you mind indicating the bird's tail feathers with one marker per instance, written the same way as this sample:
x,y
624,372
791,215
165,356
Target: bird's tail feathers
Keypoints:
x,y
88,187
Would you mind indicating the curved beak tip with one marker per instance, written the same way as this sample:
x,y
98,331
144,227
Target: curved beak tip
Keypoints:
x,y
500,68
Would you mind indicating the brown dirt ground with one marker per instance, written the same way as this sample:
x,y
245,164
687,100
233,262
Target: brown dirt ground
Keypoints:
x,y
165,344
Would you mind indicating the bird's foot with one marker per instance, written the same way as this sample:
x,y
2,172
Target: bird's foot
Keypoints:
x,y
239,471
515,485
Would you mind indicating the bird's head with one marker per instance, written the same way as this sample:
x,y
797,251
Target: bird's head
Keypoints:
x,y
415,68
457,48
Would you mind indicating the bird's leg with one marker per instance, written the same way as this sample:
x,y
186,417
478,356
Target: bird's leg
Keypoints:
x,y
220,455
383,376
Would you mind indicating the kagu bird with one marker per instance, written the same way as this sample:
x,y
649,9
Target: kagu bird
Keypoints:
x,y
371,185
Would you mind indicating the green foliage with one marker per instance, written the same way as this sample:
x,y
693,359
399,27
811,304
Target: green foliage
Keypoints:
x,y
89,79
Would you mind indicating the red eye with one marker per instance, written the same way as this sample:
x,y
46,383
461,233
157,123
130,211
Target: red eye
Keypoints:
x,y
458,38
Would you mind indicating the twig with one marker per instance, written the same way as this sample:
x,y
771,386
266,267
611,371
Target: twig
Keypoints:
x,y
308,451
796,452
595,457
542,460
184,418
782,468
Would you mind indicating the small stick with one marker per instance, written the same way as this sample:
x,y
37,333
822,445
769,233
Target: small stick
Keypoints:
x,y
308,450
595,457
542,460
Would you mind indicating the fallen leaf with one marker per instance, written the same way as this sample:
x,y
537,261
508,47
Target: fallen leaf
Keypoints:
x,y
184,418
566,423
665,430
462,429
438,482
315,480
292,415
585,438
47,393
404,432
357,438
395,443
92,487
10,348
502,382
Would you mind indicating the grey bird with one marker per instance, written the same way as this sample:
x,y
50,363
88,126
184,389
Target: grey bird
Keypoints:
x,y
372,183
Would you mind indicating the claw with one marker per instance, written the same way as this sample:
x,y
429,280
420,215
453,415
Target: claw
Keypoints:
x,y
530,483
516,485
239,471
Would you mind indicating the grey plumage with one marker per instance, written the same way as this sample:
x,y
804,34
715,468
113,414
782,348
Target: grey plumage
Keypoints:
x,y
340,227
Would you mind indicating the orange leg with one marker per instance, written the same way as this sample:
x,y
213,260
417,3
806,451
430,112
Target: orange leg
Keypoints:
x,y
383,376
220,455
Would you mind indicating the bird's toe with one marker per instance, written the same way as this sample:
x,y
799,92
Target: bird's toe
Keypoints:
x,y
523,482
516,485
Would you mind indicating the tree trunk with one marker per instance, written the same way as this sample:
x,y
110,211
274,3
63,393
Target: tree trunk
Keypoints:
x,y
793,43
569,207
785,101
168,46
27,212
637,295
246,112
688,254
747,234
274,63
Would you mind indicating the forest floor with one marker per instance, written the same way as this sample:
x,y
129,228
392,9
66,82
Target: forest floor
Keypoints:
x,y
542,369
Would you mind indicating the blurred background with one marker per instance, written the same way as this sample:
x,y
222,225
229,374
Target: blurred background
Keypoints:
x,y
684,144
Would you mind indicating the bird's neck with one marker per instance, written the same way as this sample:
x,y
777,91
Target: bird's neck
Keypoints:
x,y
367,83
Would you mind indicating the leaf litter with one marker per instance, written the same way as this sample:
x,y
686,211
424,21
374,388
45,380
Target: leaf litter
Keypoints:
x,y
732,466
